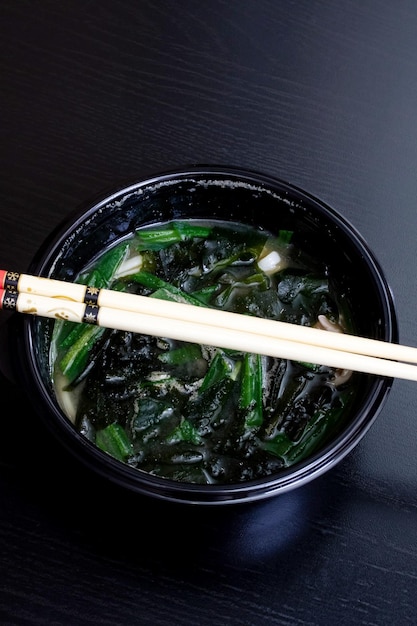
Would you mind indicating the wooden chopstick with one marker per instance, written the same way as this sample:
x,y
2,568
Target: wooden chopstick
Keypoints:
x,y
78,303
76,292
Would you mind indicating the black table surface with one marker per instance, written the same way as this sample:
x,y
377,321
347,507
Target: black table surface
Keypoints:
x,y
321,94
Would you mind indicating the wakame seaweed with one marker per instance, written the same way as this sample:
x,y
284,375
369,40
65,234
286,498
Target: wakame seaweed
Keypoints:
x,y
196,413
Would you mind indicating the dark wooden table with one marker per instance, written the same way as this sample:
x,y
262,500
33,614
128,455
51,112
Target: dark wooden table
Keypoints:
x,y
322,94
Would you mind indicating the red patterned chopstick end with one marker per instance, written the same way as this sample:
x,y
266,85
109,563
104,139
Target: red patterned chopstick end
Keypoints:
x,y
8,299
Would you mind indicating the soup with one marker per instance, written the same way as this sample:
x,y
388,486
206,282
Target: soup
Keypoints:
x,y
198,413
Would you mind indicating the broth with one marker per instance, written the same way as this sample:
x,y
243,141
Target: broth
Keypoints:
x,y
195,413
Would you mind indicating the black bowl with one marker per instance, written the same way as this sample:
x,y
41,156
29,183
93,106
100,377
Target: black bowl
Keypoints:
x,y
213,193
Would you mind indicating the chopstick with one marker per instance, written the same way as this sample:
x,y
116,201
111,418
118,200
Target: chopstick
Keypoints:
x,y
123,311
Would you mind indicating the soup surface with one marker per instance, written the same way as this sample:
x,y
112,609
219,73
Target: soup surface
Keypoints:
x,y
191,412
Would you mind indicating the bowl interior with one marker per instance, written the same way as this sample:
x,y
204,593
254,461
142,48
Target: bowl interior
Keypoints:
x,y
256,200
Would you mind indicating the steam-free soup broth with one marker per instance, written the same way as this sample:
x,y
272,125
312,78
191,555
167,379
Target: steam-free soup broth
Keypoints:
x,y
191,412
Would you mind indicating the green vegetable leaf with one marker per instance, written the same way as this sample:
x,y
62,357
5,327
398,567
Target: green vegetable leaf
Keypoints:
x,y
186,353
185,431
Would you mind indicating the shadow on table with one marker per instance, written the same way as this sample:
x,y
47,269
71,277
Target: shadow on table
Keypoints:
x,y
113,523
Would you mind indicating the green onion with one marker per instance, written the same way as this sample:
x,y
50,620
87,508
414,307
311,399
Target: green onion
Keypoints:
x,y
158,239
205,294
220,368
76,358
114,440
100,277
251,389
279,445
164,290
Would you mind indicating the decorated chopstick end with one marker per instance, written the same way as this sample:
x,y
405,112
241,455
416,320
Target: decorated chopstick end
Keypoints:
x,y
9,280
8,299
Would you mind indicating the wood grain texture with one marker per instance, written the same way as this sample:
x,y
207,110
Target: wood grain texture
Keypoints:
x,y
321,94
